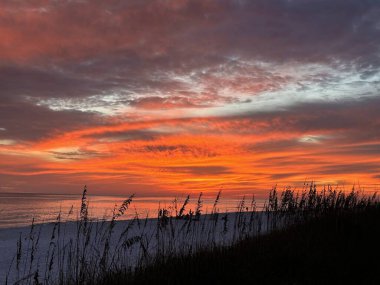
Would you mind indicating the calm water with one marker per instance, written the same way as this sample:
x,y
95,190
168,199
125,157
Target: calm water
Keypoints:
x,y
19,209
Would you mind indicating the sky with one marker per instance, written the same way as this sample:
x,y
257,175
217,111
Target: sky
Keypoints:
x,y
175,96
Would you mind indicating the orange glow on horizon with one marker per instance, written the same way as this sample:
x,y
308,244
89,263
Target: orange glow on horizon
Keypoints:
x,y
203,154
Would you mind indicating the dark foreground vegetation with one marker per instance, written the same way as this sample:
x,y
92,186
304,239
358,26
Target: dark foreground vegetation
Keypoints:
x,y
311,236
337,248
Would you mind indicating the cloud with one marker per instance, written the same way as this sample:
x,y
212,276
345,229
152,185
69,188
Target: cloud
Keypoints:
x,y
249,92
75,155
88,29
354,119
26,121
35,82
72,49
125,135
351,168
182,150
199,170
163,103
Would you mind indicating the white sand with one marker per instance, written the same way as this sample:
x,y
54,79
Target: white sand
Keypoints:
x,y
179,236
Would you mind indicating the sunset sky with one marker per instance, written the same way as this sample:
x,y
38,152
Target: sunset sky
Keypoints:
x,y
161,97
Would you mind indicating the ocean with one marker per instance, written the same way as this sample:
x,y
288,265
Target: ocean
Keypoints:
x,y
19,209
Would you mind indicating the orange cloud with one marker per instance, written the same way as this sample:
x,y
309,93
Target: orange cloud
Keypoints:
x,y
240,154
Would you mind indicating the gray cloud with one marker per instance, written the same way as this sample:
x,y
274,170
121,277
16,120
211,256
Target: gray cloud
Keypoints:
x,y
200,170
23,81
145,135
135,48
130,47
355,120
26,121
350,168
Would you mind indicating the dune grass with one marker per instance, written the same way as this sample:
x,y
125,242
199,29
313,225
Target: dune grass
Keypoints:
x,y
339,248
111,252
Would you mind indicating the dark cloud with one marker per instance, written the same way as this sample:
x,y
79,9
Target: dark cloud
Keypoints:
x,y
130,135
274,145
361,150
24,81
165,148
351,168
180,150
200,170
274,29
353,119
290,161
308,31
282,176
76,155
27,121
78,49
24,168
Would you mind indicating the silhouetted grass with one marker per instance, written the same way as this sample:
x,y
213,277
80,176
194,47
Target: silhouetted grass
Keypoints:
x,y
339,248
95,254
